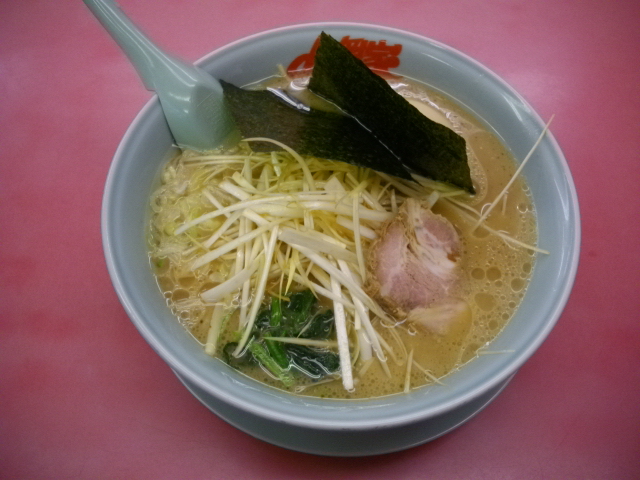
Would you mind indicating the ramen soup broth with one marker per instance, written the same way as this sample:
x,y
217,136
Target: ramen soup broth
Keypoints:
x,y
494,273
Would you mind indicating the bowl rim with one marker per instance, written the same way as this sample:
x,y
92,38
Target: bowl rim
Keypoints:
x,y
304,421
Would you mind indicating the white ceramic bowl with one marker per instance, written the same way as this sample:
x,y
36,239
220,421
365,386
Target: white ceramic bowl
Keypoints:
x,y
335,427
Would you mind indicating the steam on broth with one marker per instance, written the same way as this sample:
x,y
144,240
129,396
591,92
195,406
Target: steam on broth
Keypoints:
x,y
239,238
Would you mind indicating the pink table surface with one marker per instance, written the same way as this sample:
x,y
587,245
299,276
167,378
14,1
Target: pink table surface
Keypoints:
x,y
81,393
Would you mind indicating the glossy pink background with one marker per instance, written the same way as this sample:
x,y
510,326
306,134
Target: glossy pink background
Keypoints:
x,y
83,396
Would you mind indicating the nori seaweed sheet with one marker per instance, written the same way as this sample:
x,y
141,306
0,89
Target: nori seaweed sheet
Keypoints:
x,y
427,147
309,131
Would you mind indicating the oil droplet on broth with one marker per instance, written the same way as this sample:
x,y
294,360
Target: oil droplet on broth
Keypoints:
x,y
477,273
166,285
494,274
179,294
517,284
187,281
480,233
485,301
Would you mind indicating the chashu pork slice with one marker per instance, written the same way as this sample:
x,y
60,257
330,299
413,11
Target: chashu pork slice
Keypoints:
x,y
413,268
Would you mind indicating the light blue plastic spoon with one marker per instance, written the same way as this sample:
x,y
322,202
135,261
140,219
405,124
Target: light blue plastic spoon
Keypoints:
x,y
191,99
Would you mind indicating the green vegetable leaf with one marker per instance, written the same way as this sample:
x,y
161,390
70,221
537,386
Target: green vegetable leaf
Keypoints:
x,y
236,362
262,355
263,321
300,317
313,362
425,146
319,327
297,311
276,349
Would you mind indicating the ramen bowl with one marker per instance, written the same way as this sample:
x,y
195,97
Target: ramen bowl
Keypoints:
x,y
347,427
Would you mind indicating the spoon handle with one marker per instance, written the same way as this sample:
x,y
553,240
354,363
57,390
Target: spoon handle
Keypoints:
x,y
146,57
191,99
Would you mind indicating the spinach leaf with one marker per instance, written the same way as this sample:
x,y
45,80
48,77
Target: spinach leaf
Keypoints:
x,y
297,312
319,327
262,355
299,317
236,362
276,349
313,362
